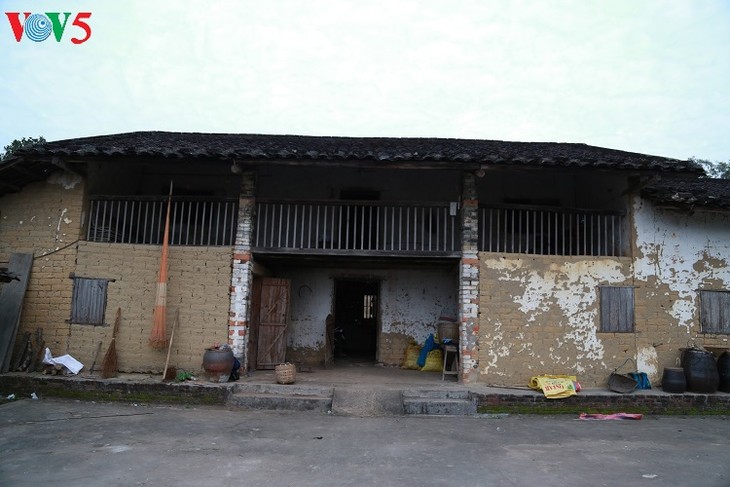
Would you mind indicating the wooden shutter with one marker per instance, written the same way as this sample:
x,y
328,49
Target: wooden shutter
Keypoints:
x,y
617,309
89,301
715,311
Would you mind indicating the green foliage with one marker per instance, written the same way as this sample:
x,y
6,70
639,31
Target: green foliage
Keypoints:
x,y
717,169
18,144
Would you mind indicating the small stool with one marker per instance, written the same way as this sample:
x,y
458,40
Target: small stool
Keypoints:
x,y
450,348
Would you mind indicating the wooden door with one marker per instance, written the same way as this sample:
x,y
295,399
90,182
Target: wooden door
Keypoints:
x,y
272,323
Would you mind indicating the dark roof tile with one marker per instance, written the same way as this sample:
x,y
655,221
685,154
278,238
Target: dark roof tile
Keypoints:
x,y
263,147
690,193
34,163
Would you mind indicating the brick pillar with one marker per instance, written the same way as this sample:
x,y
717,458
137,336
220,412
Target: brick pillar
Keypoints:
x,y
242,273
469,281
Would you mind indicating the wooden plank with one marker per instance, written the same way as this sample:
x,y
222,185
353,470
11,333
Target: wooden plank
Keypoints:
x,y
11,305
715,311
626,313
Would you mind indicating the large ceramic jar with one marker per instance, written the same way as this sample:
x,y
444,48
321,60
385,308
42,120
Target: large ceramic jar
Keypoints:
x,y
700,369
218,364
723,368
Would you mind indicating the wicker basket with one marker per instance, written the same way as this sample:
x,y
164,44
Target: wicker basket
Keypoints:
x,y
448,330
285,373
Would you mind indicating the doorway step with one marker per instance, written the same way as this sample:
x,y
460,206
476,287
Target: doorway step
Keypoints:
x,y
438,402
367,401
282,397
354,401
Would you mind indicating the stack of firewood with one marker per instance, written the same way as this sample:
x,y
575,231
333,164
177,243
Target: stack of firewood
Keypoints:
x,y
55,369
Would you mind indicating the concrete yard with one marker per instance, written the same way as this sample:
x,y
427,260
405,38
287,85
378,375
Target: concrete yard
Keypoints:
x,y
77,443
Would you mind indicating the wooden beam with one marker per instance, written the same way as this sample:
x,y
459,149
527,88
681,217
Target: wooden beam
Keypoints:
x,y
355,253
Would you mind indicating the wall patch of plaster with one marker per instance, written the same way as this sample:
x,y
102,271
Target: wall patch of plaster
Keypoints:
x,y
647,361
495,351
66,179
682,265
62,219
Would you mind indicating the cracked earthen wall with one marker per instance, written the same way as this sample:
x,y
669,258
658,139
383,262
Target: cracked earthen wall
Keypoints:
x,y
677,254
540,314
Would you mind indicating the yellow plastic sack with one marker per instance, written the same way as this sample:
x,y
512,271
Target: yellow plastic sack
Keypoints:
x,y
533,384
434,361
410,360
554,386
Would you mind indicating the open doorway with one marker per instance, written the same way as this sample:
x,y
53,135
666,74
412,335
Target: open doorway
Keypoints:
x,y
356,319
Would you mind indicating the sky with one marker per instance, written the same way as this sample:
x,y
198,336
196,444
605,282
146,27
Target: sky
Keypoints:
x,y
637,75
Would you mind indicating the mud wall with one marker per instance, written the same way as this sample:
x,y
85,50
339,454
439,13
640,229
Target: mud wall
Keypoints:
x,y
45,219
677,254
541,314
198,287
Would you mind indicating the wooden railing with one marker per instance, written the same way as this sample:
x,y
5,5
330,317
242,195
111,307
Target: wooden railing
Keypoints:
x,y
356,227
141,220
551,231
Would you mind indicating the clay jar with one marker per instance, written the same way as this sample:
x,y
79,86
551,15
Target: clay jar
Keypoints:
x,y
700,369
218,364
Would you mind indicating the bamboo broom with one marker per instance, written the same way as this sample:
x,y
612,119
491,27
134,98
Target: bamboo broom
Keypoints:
x,y
109,364
169,347
158,335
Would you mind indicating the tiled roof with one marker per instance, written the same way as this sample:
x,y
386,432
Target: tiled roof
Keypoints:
x,y
690,193
315,148
36,162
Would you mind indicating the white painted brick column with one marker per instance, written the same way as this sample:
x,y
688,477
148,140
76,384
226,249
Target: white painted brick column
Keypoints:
x,y
469,281
242,273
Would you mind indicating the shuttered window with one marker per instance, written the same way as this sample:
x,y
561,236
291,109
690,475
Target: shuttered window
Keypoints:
x,y
715,311
617,309
89,301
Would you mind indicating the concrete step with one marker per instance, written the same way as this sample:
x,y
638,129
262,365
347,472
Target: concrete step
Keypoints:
x,y
283,389
440,407
281,402
290,397
363,402
437,393
438,402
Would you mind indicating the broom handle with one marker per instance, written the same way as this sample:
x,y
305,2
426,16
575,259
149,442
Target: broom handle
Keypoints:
x,y
169,346
116,323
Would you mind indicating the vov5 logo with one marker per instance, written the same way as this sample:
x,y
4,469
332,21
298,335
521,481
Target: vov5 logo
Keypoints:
x,y
38,27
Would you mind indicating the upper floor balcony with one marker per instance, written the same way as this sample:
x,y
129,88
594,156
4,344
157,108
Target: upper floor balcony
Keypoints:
x,y
362,228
